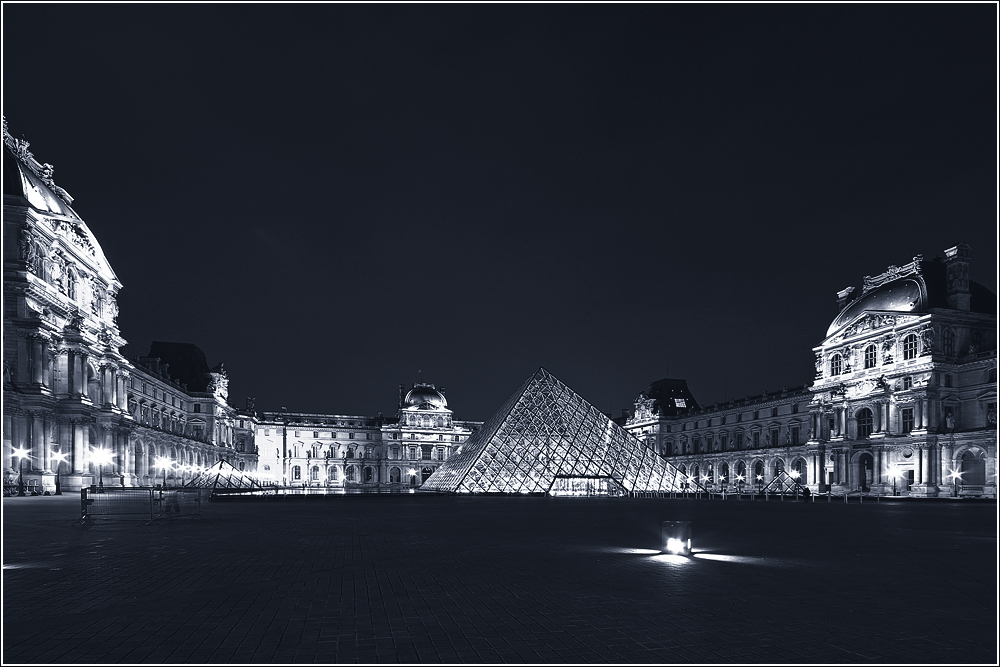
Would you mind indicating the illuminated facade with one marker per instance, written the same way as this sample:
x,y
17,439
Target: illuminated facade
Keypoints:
x,y
547,439
73,405
904,399
352,451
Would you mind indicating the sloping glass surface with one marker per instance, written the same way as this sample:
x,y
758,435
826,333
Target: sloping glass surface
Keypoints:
x,y
547,431
783,483
222,476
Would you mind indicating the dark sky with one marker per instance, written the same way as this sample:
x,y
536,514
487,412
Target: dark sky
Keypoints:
x,y
333,198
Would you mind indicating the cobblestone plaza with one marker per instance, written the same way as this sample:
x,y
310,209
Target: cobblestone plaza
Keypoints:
x,y
471,579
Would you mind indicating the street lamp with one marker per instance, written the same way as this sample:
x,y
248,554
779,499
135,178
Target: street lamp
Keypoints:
x,y
59,458
740,482
760,482
955,475
102,457
20,453
893,473
163,462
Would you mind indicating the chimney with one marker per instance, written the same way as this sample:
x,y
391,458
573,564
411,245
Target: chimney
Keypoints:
x,y
956,259
843,296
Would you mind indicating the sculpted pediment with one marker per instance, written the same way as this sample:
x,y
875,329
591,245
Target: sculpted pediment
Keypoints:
x,y
870,321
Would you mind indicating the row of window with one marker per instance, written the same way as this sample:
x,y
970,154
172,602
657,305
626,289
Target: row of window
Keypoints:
x,y
350,436
721,421
414,453
157,394
351,473
838,365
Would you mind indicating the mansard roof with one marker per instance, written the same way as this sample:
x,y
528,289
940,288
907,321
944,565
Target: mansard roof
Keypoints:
x,y
914,288
187,363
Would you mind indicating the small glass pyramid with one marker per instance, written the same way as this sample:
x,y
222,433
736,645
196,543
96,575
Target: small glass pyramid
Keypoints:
x,y
547,439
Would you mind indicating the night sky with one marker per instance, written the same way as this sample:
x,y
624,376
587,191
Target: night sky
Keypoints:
x,y
337,199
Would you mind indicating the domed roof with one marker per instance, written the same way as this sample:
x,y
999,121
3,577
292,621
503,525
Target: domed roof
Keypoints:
x,y
425,397
907,295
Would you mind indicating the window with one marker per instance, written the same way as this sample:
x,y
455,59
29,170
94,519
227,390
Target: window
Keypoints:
x,y
870,356
908,382
197,407
315,474
991,375
948,342
440,453
723,419
739,416
756,414
795,408
865,422
947,380
774,412
349,435
316,434
795,435
756,439
440,437
296,472
774,437
910,347
455,438
297,434
425,451
368,436
836,364
394,453
413,453
739,440
906,415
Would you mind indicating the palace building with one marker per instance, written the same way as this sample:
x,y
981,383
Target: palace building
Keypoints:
x,y
904,399
351,451
76,411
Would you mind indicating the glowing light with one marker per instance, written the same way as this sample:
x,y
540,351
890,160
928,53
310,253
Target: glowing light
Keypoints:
x,y
675,546
795,474
411,472
739,478
102,457
58,457
163,462
21,452
955,475
760,477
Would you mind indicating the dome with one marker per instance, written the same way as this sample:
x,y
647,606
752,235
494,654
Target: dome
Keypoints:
x,y
425,397
901,296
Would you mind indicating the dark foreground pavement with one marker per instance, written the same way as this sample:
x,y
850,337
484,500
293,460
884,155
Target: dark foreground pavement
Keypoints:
x,y
405,579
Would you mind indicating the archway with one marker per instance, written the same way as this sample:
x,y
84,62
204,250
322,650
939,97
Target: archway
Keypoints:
x,y
741,471
368,475
424,474
724,472
779,466
866,466
801,470
973,467
394,475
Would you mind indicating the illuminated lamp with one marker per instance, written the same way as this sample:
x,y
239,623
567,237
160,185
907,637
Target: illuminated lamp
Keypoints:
x,y
677,537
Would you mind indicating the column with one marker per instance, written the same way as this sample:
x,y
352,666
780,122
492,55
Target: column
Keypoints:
x,y
878,462
77,460
877,418
921,466
37,442
924,413
122,392
930,467
918,414
107,386
123,462
81,360
886,421
946,465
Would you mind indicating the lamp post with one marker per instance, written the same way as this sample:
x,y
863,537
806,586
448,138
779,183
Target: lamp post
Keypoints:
x,y
163,462
760,483
20,453
955,476
59,458
102,457
740,484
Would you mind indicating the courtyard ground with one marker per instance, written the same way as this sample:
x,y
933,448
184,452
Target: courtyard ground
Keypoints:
x,y
412,578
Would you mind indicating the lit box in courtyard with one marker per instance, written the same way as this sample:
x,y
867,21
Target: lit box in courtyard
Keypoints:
x,y
677,537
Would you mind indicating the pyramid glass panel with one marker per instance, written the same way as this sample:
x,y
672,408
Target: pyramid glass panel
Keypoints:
x,y
547,439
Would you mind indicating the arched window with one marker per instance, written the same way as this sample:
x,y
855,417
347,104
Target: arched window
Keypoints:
x,y
349,473
870,356
314,474
368,475
948,342
910,347
296,472
394,475
696,475
865,422
333,474
836,364
724,477
779,465
741,471
800,467
758,471
973,468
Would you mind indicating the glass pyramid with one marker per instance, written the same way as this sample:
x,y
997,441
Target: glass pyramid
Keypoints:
x,y
223,477
547,439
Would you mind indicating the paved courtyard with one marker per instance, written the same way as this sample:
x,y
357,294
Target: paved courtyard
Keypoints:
x,y
407,579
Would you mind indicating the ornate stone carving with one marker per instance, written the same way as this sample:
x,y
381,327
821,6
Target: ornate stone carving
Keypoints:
x,y
888,348
643,409
926,342
892,273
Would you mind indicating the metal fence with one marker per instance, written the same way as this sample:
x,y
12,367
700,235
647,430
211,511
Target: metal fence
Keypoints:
x,y
143,505
98,503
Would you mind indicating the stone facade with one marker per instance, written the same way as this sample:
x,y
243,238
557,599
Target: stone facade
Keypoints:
x,y
351,451
904,399
70,397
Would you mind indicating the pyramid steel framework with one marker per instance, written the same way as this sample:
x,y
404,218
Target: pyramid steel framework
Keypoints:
x,y
548,439
224,478
784,483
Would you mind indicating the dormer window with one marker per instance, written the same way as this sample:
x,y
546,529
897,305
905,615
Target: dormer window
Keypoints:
x,y
948,342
